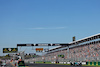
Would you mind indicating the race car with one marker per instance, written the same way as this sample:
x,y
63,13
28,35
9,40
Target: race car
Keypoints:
x,y
75,63
3,63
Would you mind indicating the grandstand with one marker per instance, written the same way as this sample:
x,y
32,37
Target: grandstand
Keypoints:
x,y
86,49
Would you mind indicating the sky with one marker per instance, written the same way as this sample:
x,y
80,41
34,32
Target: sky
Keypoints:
x,y
47,21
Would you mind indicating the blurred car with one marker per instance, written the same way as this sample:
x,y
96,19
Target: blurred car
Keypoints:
x,y
76,63
3,64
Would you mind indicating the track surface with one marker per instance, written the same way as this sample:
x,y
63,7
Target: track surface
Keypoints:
x,y
8,65
53,65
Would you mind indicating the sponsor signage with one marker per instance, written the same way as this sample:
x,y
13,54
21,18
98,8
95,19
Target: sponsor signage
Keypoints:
x,y
39,49
74,38
25,44
10,50
62,56
40,44
43,44
29,45
21,63
55,44
59,44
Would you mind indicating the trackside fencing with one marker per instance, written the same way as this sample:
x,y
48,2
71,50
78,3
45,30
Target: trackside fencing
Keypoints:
x,y
92,63
83,63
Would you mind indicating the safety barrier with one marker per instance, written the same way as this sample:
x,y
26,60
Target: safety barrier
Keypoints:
x,y
55,62
92,63
42,62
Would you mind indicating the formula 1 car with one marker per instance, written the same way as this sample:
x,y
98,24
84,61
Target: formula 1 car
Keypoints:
x,y
75,63
3,64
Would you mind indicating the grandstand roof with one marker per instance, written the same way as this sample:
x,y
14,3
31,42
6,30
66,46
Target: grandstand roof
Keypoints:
x,y
85,38
55,48
75,41
60,46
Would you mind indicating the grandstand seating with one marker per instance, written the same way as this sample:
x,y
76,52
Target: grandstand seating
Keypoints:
x,y
86,52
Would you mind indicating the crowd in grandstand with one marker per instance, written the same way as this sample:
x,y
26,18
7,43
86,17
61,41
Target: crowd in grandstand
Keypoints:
x,y
89,52
85,52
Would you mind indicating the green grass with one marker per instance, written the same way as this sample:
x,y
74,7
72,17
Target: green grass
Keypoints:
x,y
39,62
63,64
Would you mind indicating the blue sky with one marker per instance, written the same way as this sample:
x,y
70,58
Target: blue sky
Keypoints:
x,y
47,21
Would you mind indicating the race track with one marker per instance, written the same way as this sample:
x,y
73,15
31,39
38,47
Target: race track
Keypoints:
x,y
52,65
